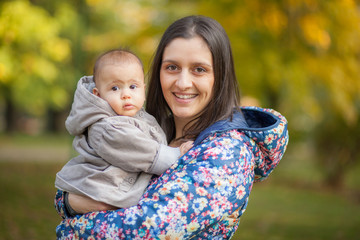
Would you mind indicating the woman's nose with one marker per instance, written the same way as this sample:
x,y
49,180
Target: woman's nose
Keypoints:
x,y
184,80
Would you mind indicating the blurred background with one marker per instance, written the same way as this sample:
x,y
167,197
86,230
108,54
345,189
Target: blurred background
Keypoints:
x,y
300,57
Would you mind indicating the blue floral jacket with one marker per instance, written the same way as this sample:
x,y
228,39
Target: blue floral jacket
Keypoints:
x,y
204,194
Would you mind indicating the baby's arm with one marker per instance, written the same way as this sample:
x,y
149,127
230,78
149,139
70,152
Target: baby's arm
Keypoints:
x,y
124,144
185,147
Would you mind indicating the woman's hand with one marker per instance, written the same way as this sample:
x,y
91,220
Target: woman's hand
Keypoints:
x,y
83,204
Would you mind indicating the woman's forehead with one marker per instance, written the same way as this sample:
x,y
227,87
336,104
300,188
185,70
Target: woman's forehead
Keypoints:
x,y
190,49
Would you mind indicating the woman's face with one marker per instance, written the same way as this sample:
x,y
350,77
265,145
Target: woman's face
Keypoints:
x,y
187,77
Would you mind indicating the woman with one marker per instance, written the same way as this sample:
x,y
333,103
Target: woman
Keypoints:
x,y
193,94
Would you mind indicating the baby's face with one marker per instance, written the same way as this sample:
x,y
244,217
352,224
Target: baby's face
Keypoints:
x,y
122,86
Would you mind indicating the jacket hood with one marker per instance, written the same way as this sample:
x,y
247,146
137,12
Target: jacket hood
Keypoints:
x,y
267,130
86,108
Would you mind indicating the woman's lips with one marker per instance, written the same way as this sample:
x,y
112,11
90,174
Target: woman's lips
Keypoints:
x,y
185,96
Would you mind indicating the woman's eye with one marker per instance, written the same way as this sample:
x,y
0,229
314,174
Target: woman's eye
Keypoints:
x,y
171,67
133,86
199,70
115,88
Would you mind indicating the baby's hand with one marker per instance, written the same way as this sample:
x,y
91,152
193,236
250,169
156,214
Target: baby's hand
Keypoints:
x,y
185,147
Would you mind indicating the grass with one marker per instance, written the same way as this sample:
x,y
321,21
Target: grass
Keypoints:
x,y
293,204
284,212
22,140
289,205
26,200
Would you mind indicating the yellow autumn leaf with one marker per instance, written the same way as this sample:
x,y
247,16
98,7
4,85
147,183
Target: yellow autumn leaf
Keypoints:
x,y
314,31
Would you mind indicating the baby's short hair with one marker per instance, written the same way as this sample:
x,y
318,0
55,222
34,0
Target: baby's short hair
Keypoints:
x,y
115,56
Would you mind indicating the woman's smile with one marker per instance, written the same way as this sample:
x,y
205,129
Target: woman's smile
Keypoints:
x,y
183,97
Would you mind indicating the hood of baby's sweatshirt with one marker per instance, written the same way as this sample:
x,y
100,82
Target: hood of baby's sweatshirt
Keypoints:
x,y
266,129
86,108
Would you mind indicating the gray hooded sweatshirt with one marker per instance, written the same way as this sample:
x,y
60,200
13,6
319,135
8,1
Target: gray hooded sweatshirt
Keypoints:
x,y
118,155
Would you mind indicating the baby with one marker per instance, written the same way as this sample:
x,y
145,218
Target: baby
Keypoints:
x,y
120,146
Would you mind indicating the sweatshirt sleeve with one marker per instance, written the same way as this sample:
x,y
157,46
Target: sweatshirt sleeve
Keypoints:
x,y
126,146
202,195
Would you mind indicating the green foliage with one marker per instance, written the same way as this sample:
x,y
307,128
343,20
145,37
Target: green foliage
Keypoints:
x,y
30,50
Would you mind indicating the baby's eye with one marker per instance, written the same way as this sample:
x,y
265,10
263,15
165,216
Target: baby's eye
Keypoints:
x,y
115,88
133,86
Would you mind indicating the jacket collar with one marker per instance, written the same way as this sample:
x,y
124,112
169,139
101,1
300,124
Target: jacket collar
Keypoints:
x,y
237,122
247,119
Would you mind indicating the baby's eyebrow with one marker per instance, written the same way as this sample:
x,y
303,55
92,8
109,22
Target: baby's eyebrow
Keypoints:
x,y
117,81
137,81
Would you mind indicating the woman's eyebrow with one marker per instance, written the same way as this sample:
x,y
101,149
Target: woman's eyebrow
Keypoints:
x,y
203,63
168,61
194,64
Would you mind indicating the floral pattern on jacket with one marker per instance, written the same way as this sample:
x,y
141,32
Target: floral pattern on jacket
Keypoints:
x,y
202,196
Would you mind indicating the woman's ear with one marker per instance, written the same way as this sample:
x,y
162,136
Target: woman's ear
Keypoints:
x,y
96,92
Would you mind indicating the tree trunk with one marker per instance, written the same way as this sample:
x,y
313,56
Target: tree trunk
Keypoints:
x,y
10,116
55,121
335,178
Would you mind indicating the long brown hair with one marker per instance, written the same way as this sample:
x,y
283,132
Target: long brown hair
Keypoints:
x,y
225,90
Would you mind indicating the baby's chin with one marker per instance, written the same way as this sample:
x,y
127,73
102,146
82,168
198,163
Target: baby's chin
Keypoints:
x,y
128,112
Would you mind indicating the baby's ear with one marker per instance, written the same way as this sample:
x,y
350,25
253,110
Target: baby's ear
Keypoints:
x,y
96,92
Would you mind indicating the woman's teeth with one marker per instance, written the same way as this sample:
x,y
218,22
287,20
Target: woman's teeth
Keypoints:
x,y
187,96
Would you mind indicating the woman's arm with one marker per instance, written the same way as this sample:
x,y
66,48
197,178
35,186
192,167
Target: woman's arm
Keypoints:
x,y
193,197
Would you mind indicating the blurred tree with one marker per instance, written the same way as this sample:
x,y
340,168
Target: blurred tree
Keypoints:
x,y
58,42
302,57
136,24
73,18
30,52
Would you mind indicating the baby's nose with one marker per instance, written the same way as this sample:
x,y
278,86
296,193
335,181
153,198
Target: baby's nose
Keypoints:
x,y
125,94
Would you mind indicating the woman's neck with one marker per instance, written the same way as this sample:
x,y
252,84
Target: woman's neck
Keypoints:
x,y
180,125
